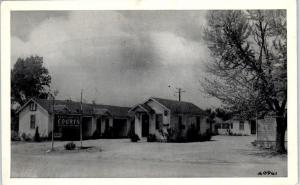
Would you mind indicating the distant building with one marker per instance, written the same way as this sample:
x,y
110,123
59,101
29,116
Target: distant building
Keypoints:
x,y
97,120
156,115
234,126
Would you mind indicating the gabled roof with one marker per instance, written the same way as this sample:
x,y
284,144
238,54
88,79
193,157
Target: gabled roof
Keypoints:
x,y
181,107
72,107
101,112
144,107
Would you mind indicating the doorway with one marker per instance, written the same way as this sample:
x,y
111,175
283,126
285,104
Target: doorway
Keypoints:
x,y
145,125
120,127
253,126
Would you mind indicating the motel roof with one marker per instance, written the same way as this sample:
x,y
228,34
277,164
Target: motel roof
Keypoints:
x,y
179,107
72,107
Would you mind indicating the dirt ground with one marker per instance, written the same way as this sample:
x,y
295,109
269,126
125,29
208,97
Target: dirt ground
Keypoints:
x,y
224,156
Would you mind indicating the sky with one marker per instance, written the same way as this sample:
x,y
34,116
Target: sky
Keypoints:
x,y
117,57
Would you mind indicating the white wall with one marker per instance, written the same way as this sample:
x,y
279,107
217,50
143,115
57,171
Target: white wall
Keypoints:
x,y
236,128
152,129
42,121
159,110
204,126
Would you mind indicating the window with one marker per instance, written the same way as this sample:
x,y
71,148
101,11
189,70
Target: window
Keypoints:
x,y
158,121
32,121
33,106
241,125
165,112
231,125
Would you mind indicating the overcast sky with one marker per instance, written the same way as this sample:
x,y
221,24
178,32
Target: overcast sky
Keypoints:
x,y
117,57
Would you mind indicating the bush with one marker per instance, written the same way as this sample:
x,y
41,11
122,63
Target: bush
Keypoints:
x,y
15,136
173,134
70,146
151,138
26,137
134,138
37,137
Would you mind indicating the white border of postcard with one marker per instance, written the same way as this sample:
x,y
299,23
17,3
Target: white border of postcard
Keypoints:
x,y
289,5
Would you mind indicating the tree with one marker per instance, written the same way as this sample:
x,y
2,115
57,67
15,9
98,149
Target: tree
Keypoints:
x,y
249,66
29,78
223,114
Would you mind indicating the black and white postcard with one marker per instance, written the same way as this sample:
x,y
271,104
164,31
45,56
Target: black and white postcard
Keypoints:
x,y
140,92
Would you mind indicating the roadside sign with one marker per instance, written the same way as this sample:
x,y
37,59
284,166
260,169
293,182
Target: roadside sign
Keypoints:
x,y
67,121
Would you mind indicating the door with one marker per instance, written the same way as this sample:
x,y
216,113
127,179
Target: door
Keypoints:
x,y
253,127
145,125
98,126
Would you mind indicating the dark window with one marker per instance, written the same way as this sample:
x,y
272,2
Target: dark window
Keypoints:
x,y
198,123
165,112
158,121
32,121
180,125
241,125
33,106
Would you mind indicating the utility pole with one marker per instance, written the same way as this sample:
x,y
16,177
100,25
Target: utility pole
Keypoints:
x,y
179,93
53,114
81,119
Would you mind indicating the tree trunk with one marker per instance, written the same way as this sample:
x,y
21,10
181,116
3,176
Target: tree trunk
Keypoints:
x,y
280,134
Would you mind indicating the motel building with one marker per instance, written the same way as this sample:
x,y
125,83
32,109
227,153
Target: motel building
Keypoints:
x,y
97,120
157,115
154,116
234,126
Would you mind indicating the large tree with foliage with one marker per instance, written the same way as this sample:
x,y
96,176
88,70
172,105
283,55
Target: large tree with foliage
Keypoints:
x,y
29,78
249,66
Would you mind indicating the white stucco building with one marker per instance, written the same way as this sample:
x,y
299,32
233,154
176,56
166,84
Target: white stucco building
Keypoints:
x,y
97,120
234,126
156,115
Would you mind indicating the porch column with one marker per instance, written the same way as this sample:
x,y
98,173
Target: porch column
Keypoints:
x,y
137,125
102,125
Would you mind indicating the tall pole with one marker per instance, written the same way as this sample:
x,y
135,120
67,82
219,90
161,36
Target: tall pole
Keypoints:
x,y
81,118
179,93
52,137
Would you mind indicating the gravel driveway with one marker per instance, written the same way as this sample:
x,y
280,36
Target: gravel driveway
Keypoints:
x,y
224,156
